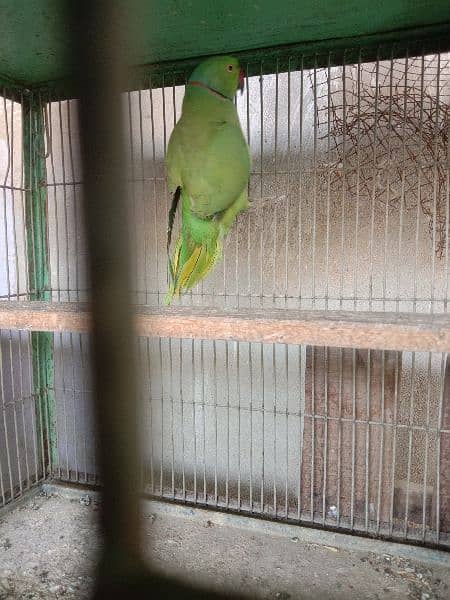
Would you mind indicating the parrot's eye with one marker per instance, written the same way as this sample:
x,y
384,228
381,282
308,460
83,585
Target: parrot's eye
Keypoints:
x,y
230,67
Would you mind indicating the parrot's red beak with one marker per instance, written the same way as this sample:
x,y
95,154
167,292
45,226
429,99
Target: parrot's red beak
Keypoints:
x,y
241,80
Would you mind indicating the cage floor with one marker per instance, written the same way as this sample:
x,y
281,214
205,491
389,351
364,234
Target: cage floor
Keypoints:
x,y
48,545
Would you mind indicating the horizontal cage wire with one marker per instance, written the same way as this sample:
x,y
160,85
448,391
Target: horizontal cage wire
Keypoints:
x,y
349,210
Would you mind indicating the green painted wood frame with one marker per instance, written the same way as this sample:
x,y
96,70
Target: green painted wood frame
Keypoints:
x,y
33,132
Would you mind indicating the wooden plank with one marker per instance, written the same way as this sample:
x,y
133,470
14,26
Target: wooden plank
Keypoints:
x,y
45,316
366,330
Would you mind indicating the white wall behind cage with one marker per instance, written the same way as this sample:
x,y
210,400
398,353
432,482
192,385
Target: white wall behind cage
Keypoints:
x,y
349,210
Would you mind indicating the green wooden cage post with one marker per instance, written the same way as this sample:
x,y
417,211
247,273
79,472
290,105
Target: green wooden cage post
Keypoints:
x,y
38,264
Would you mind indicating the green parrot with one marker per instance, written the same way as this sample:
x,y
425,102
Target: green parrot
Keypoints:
x,y
208,167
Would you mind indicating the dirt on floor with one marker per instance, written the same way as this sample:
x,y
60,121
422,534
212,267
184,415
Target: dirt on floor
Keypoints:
x,y
49,544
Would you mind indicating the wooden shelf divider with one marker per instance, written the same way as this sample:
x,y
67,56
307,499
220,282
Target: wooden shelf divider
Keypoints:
x,y
374,330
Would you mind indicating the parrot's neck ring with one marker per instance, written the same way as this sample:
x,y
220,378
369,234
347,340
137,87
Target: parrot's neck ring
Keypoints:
x,y
210,89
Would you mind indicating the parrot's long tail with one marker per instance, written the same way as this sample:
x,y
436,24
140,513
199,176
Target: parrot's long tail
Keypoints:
x,y
198,249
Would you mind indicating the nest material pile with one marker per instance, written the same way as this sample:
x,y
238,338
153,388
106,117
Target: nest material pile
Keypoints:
x,y
388,125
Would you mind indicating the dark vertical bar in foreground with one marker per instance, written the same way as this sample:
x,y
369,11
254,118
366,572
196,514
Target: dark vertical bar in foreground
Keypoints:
x,y
97,31
97,28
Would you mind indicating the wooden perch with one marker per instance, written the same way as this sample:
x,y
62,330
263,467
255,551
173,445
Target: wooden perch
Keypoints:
x,y
375,330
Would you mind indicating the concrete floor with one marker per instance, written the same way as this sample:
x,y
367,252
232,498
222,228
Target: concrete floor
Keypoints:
x,y
49,542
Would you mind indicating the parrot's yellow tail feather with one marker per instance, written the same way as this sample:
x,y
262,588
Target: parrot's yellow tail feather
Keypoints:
x,y
209,262
173,268
195,268
189,268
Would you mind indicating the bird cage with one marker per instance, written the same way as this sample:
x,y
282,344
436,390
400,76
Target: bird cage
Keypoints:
x,y
306,379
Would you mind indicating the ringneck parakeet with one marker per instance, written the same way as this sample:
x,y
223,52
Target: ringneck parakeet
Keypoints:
x,y
208,167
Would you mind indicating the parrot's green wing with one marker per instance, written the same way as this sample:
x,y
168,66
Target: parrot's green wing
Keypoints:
x,y
208,161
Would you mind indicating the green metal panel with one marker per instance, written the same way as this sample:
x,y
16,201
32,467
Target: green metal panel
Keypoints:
x,y
33,33
39,276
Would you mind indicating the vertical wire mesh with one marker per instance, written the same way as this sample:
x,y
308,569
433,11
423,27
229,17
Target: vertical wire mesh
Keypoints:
x,y
349,196
20,463
356,449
